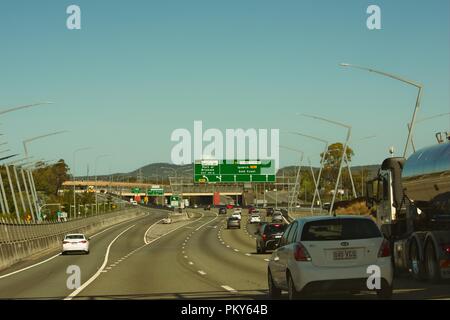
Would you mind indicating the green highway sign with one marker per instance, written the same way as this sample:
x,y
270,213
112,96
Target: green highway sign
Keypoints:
x,y
155,192
136,190
210,171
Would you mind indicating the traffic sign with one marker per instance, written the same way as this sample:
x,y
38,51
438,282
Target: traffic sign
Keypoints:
x,y
136,190
155,192
207,171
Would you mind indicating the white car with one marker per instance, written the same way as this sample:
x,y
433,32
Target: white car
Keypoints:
x,y
255,218
237,214
75,242
326,254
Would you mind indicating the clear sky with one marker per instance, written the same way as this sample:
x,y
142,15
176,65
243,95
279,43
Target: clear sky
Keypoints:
x,y
137,70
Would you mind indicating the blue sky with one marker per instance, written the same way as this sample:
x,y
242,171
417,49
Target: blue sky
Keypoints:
x,y
140,69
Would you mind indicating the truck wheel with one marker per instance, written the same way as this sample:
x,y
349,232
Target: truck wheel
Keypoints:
x,y
431,264
415,265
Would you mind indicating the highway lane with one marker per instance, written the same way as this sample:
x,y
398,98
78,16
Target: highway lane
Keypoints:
x,y
200,260
155,271
48,280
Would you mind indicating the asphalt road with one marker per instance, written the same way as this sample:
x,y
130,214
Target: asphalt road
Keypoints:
x,y
199,260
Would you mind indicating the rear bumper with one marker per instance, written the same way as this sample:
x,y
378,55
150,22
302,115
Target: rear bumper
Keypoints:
x,y
305,274
75,248
356,284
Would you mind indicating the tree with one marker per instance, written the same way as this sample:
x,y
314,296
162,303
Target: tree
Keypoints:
x,y
332,161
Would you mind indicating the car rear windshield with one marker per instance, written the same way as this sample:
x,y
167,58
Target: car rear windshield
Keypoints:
x,y
75,236
233,218
274,228
340,229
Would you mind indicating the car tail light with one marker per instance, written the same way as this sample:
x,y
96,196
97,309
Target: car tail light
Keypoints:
x,y
300,253
446,248
385,249
264,236
84,241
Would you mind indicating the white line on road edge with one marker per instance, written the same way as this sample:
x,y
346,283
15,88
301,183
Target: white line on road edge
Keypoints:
x,y
266,260
29,267
183,226
202,272
56,255
217,216
230,289
248,254
91,279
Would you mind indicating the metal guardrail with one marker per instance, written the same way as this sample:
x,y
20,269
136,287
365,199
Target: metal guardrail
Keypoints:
x,y
22,240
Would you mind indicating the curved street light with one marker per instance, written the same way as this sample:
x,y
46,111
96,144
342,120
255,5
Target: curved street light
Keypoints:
x,y
395,77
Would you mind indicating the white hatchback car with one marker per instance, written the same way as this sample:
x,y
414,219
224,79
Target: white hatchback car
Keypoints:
x,y
237,214
326,254
255,218
75,242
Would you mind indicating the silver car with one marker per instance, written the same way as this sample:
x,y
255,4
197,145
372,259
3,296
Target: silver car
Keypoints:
x,y
233,222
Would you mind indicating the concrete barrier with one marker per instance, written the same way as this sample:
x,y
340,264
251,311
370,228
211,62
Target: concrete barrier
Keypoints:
x,y
20,241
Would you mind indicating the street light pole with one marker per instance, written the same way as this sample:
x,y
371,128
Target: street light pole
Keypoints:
x,y
349,131
422,120
95,168
30,174
419,96
297,178
322,162
74,179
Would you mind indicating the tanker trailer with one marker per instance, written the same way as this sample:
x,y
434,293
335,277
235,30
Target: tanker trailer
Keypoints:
x,y
411,200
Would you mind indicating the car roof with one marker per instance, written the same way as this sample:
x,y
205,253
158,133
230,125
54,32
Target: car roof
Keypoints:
x,y
319,218
74,234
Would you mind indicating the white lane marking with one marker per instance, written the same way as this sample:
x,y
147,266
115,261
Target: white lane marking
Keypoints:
x,y
154,224
236,250
29,267
228,245
56,255
202,272
149,242
191,263
266,260
248,254
230,289
217,216
91,279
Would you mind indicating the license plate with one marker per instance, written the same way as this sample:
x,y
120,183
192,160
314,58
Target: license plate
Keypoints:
x,y
344,255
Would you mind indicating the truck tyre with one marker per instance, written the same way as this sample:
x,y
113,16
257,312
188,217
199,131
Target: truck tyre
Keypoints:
x,y
433,271
415,264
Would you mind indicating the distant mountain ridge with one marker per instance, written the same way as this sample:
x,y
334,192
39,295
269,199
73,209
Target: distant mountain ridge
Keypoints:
x,y
164,170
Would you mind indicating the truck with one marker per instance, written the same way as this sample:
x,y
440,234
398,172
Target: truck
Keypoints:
x,y
410,200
